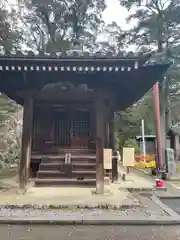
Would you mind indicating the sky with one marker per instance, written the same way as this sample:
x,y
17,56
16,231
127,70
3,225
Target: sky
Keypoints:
x,y
117,13
114,12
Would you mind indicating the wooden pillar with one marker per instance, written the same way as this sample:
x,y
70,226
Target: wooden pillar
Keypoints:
x,y
93,129
99,106
107,135
113,144
106,127
111,130
115,149
26,143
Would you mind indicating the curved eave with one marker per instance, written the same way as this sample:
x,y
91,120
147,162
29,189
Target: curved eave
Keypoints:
x,y
76,64
139,83
127,85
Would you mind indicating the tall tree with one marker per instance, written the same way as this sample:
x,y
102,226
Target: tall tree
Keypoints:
x,y
11,39
158,23
65,25
156,30
10,33
129,121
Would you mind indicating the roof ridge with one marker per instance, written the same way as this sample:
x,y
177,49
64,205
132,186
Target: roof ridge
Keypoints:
x,y
75,55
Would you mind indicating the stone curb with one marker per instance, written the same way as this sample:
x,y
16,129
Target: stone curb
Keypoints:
x,y
100,222
134,222
170,197
40,222
168,210
135,189
63,206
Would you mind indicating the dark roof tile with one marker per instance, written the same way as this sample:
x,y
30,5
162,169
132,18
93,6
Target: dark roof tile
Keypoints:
x,y
76,55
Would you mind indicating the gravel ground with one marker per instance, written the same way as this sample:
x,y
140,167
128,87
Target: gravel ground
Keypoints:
x,y
148,209
89,232
60,214
18,214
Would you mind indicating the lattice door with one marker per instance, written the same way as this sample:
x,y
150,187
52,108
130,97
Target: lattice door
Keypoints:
x,y
80,129
72,129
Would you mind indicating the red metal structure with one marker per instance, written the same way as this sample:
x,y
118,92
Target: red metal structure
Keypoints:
x,y
159,157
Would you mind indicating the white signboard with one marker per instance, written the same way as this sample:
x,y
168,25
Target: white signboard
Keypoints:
x,y
128,157
107,158
171,161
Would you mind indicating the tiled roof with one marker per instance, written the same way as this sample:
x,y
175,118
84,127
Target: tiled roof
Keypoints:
x,y
75,55
72,62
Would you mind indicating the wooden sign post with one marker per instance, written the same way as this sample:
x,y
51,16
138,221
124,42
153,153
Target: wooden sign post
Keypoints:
x,y
128,158
108,158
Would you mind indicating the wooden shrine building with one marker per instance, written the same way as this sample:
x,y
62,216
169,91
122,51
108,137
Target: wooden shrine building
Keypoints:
x,y
69,105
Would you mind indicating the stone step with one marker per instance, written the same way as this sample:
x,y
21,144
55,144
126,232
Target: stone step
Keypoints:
x,y
74,154
57,174
65,182
77,159
59,166
76,151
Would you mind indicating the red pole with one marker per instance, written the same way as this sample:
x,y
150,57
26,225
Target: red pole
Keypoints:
x,y
159,157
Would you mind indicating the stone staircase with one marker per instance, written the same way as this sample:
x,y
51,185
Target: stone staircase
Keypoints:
x,y
67,170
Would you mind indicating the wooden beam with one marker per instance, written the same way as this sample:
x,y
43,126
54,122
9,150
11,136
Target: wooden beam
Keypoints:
x,y
26,143
111,130
99,106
